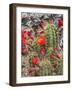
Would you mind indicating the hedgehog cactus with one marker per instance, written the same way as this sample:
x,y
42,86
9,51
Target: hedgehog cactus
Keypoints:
x,y
45,68
51,34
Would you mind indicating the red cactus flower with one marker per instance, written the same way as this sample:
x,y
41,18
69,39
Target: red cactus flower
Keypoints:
x,y
58,56
25,33
51,56
42,51
60,23
24,41
41,40
34,60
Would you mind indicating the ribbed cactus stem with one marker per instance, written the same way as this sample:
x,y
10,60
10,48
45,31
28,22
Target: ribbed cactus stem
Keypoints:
x,y
54,37
45,68
51,33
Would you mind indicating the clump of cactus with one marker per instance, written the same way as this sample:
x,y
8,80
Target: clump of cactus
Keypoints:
x,y
45,68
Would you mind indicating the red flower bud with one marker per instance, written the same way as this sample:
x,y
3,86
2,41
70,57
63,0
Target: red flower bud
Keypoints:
x,y
24,41
51,56
60,23
34,60
58,56
42,51
24,33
